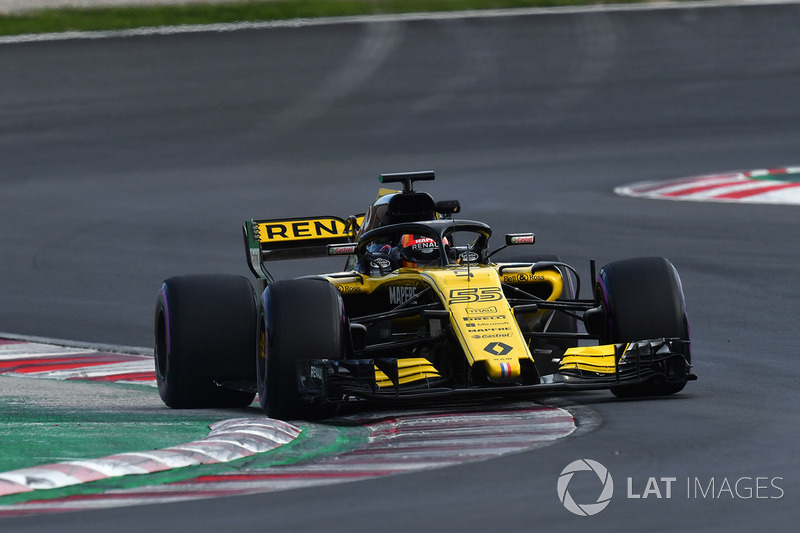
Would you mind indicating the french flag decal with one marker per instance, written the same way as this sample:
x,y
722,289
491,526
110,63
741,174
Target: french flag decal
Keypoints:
x,y
505,370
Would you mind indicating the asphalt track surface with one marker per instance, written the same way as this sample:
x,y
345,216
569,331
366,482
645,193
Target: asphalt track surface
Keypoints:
x,y
125,161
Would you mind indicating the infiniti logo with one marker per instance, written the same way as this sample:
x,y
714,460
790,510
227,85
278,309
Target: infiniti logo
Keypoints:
x,y
586,509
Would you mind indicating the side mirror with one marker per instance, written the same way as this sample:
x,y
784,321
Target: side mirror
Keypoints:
x,y
448,207
342,249
514,239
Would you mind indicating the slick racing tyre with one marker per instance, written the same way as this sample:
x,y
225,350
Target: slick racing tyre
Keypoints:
x,y
299,319
205,332
643,299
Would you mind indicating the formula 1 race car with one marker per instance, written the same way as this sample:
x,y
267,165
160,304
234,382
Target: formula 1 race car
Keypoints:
x,y
420,312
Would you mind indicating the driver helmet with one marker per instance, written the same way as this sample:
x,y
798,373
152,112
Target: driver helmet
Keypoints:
x,y
417,251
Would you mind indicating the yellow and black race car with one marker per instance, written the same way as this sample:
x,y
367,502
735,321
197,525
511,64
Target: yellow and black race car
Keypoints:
x,y
420,312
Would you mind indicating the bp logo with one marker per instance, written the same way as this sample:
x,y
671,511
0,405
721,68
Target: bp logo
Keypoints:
x,y
585,509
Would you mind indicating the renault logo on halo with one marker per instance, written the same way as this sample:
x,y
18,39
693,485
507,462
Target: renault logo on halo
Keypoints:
x,y
585,509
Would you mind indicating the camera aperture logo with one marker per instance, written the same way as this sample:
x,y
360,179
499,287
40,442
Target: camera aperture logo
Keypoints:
x,y
585,509
746,487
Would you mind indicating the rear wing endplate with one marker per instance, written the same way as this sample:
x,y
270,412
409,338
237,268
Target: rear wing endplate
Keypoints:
x,y
294,238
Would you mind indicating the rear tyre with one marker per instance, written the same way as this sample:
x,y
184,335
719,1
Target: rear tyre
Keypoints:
x,y
205,335
299,319
643,299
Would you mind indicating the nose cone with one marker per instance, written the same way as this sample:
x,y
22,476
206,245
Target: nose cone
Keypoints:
x,y
502,369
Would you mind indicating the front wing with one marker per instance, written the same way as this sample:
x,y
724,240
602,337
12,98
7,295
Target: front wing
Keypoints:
x,y
591,368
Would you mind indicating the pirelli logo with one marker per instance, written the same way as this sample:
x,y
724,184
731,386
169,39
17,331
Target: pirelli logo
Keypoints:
x,y
300,229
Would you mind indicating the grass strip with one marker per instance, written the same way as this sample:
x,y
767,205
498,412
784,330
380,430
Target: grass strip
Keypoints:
x,y
34,435
120,18
315,441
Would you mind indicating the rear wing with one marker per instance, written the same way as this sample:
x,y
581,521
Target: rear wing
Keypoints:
x,y
294,238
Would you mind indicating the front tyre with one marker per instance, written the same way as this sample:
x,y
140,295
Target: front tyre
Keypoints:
x,y
299,319
643,299
205,335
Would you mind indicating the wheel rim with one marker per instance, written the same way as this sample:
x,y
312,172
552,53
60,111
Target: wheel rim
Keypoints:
x,y
162,343
261,361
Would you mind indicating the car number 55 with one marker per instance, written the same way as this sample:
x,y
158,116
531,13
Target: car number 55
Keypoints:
x,y
472,295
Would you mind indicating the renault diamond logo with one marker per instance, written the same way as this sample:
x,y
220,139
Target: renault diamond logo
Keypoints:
x,y
497,348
